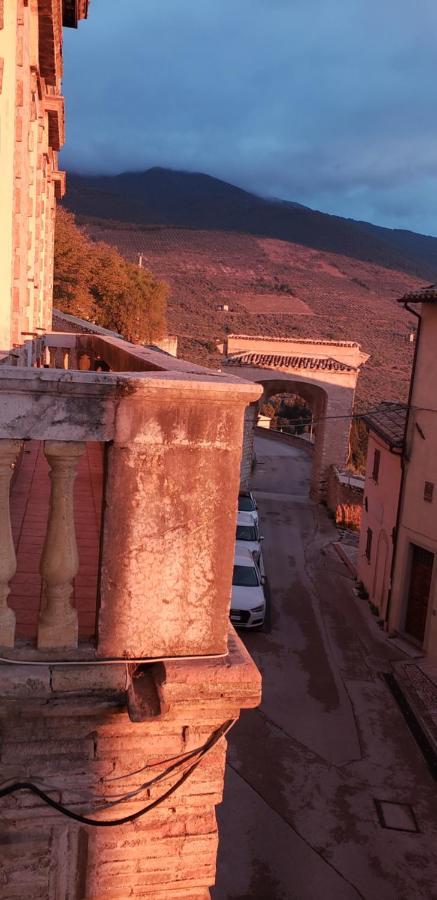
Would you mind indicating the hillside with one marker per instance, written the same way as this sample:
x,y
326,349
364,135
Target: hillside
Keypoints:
x,y
275,287
193,200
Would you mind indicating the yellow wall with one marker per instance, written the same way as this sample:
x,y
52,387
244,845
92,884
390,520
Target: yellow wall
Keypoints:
x,y
8,46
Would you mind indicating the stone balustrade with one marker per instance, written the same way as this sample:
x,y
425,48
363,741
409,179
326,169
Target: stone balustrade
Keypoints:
x,y
172,433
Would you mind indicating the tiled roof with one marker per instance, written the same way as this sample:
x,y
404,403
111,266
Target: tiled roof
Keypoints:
x,y
422,295
286,340
278,361
388,420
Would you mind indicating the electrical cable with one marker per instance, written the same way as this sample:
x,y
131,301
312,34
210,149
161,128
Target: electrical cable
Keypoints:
x,y
124,820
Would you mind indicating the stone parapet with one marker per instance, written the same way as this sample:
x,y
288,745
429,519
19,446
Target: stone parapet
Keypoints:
x,y
173,435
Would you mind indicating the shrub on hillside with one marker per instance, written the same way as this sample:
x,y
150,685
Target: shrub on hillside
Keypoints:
x,y
93,281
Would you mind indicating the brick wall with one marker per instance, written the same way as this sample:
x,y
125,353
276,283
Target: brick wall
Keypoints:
x,y
344,500
69,729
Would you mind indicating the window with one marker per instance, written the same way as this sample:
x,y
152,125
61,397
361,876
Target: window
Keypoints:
x,y
369,543
428,491
246,533
376,464
245,576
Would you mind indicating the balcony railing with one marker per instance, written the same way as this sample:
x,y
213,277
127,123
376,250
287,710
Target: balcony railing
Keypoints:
x,y
171,436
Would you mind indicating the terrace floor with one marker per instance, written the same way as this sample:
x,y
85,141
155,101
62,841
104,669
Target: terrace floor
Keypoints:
x,y
30,493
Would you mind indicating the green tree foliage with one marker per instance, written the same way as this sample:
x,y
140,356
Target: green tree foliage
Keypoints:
x,y
289,412
93,281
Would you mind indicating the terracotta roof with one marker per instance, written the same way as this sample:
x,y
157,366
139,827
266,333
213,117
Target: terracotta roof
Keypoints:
x,y
278,361
422,295
296,339
388,421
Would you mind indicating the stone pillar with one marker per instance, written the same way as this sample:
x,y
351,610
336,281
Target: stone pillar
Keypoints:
x,y
57,627
169,521
8,453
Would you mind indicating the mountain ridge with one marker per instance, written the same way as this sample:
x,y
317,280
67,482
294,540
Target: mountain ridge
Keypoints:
x,y
172,197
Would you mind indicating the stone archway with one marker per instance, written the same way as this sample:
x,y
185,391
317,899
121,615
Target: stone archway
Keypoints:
x,y
324,373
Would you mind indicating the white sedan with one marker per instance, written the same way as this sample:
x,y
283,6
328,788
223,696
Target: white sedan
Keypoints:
x,y
248,537
248,603
247,503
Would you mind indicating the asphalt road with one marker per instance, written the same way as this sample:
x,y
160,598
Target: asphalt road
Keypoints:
x,y
299,819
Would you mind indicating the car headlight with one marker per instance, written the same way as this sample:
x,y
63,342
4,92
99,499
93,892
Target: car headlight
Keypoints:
x,y
258,609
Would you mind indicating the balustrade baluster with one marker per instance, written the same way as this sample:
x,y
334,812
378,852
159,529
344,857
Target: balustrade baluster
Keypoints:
x,y
8,453
59,358
57,625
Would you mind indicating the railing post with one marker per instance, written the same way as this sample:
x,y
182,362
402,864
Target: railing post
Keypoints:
x,y
8,453
57,625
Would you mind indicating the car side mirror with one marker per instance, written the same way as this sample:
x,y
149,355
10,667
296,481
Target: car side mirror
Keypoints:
x,y
263,579
261,537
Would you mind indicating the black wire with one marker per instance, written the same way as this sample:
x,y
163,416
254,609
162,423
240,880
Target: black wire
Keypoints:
x,y
111,823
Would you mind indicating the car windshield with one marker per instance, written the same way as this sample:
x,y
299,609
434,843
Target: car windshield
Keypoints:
x,y
246,533
245,504
245,576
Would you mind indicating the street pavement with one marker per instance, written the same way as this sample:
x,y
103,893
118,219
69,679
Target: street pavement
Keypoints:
x,y
300,818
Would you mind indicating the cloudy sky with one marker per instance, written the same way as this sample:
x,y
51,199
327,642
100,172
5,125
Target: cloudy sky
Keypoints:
x,y
328,102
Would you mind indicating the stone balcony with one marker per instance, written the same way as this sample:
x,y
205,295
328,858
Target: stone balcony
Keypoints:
x,y
118,538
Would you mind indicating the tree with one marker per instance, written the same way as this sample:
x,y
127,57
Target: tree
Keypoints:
x,y
72,270
93,281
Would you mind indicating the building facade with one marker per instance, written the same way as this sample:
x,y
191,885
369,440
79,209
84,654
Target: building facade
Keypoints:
x,y
398,541
119,474
386,428
32,133
413,607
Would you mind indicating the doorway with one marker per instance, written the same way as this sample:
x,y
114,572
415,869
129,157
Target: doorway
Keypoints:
x,y
418,593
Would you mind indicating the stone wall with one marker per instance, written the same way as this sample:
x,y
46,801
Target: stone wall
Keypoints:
x,y
71,731
344,500
250,419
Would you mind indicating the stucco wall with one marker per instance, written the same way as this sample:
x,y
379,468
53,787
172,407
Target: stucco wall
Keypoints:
x,y
381,500
418,524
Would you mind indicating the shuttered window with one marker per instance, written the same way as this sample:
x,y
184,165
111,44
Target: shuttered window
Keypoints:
x,y
369,543
428,491
376,464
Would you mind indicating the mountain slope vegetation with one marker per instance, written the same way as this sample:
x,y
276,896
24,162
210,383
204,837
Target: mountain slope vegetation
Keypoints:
x,y
193,200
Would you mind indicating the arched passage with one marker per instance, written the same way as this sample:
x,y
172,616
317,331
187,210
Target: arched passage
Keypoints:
x,y
324,373
317,400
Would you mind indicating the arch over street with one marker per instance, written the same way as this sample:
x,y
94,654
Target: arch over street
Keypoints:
x,y
324,373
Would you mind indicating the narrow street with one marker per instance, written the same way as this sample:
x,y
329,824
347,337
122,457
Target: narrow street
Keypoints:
x,y
299,819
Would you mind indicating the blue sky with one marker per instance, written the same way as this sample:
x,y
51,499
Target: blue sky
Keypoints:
x,y
331,103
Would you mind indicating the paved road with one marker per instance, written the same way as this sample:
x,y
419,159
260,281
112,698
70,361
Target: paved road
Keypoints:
x,y
299,820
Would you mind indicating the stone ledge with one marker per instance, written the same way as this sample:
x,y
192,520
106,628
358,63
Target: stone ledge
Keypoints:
x,y
233,679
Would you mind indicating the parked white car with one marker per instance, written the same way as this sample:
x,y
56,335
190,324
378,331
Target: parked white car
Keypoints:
x,y
248,603
248,537
247,503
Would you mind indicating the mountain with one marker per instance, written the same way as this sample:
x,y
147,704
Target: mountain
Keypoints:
x,y
192,200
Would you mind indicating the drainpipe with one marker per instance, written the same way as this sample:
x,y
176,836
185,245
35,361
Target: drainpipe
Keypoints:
x,y
404,461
